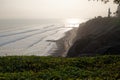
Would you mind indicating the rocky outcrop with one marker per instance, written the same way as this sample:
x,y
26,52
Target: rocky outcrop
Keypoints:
x,y
97,36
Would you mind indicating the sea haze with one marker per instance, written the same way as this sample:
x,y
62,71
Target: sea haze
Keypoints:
x,y
30,37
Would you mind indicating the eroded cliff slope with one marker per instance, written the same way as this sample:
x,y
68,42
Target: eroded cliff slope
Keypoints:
x,y
97,36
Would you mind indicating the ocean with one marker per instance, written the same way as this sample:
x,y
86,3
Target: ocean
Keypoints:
x,y
31,37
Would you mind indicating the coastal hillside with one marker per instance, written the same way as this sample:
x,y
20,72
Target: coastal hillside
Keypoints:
x,y
97,36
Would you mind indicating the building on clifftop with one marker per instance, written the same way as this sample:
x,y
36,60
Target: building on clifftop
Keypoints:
x,y
109,13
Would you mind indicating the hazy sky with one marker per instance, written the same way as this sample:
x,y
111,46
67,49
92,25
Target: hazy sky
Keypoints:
x,y
32,9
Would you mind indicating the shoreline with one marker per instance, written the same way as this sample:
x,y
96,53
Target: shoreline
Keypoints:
x,y
64,43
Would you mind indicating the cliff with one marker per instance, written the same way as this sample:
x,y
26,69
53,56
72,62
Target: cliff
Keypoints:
x,y
97,36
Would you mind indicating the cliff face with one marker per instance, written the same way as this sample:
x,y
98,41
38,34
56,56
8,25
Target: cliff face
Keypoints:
x,y
65,43
97,36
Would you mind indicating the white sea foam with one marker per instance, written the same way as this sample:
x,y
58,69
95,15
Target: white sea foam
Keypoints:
x,y
31,39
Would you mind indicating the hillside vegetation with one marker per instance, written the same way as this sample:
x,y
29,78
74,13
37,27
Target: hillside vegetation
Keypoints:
x,y
97,36
51,68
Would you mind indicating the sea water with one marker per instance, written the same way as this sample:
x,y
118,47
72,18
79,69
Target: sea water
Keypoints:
x,y
30,37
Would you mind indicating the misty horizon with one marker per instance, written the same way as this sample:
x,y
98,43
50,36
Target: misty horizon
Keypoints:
x,y
53,9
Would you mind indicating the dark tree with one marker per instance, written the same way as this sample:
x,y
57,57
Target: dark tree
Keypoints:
x,y
117,1
106,1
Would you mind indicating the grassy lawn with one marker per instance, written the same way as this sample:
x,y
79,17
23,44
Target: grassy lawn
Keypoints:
x,y
57,68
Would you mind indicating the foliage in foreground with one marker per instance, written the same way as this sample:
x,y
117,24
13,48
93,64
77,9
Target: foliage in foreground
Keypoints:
x,y
51,68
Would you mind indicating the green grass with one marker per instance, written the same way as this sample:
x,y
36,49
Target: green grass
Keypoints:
x,y
57,68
